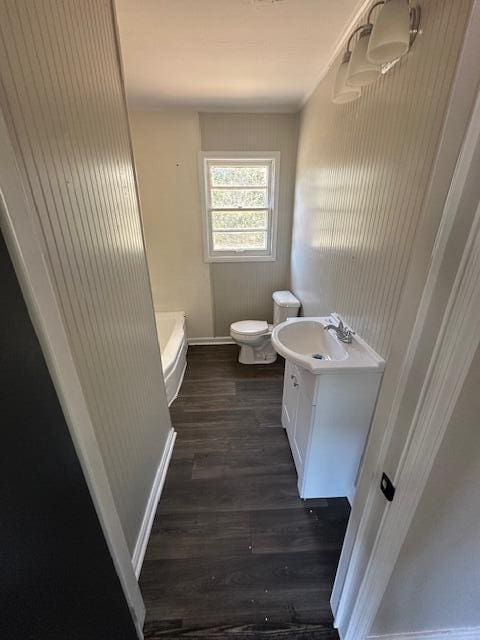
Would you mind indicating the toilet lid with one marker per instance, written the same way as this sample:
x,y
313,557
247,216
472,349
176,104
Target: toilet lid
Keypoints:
x,y
250,327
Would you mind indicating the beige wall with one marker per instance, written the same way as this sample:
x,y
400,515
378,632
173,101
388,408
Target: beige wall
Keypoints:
x,y
436,581
166,144
362,174
243,290
62,98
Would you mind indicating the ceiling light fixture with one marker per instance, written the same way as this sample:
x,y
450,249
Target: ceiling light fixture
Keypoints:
x,y
378,48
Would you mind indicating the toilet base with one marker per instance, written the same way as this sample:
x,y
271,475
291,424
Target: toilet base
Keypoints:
x,y
263,355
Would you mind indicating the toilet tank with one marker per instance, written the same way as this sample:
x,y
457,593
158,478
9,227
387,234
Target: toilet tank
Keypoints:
x,y
285,305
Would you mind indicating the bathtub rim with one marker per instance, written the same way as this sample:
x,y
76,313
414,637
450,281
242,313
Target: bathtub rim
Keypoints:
x,y
174,355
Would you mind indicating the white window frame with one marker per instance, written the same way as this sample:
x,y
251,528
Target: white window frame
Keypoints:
x,y
250,255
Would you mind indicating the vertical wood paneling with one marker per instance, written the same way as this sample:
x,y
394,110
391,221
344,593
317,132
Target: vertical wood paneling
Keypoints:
x,y
362,174
243,290
62,96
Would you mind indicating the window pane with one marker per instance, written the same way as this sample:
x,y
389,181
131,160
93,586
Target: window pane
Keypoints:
x,y
225,176
224,241
241,198
241,220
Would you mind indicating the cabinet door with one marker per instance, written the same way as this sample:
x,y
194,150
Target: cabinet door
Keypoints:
x,y
290,397
301,432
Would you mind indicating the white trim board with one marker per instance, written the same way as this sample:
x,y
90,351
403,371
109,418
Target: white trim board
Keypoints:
x,y
210,340
464,633
153,500
456,344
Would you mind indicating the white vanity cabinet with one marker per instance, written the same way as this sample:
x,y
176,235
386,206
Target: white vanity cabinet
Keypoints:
x,y
327,418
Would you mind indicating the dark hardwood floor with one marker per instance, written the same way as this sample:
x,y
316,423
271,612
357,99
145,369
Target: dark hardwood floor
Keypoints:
x,y
233,550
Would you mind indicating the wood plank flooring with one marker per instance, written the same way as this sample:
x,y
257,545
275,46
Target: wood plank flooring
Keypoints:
x,y
233,550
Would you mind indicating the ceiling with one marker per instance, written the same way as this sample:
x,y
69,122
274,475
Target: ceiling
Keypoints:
x,y
242,55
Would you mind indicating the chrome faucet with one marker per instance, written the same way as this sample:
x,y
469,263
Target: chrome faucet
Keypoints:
x,y
344,334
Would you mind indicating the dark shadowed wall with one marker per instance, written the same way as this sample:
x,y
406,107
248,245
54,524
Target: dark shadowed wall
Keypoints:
x,y
57,576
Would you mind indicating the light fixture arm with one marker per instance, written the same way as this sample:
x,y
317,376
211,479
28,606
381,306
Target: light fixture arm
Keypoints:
x,y
374,6
360,28
415,14
368,25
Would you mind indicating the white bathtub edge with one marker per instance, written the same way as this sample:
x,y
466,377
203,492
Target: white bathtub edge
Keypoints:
x,y
174,351
174,396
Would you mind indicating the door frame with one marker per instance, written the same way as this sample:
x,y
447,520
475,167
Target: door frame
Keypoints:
x,y
22,237
357,592
454,350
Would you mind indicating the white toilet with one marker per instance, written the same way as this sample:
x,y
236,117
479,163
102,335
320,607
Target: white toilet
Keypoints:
x,y
253,336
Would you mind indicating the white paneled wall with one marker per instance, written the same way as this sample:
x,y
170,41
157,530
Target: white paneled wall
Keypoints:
x,y
243,290
62,97
362,173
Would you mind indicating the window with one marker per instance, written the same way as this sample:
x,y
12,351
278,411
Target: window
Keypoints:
x,y
240,206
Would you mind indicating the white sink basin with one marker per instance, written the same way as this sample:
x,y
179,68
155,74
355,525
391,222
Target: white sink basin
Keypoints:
x,y
305,342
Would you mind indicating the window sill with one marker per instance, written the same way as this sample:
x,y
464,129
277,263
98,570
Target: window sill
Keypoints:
x,y
240,258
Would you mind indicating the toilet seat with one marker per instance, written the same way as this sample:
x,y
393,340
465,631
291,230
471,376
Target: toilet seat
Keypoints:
x,y
250,328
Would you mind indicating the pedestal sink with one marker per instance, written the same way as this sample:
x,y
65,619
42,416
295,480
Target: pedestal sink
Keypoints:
x,y
329,394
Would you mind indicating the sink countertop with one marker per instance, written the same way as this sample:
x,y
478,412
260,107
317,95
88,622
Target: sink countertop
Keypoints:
x,y
298,345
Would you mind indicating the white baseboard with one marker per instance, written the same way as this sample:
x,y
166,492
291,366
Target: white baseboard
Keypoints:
x,y
155,493
211,340
470,633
